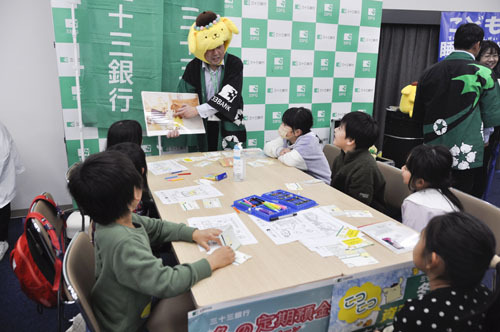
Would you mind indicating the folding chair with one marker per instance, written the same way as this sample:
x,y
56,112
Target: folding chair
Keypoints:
x,y
331,152
78,271
482,210
395,189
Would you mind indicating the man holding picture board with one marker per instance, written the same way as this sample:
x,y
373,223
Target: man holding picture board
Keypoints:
x,y
217,78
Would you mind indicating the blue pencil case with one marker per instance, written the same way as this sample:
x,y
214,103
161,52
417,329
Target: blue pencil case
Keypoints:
x,y
262,208
297,202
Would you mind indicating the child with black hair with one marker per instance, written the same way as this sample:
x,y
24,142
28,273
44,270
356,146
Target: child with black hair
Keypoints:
x,y
129,131
124,131
298,146
107,187
427,173
355,171
454,251
146,206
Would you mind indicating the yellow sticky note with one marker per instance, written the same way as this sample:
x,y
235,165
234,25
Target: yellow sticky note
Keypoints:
x,y
353,241
352,233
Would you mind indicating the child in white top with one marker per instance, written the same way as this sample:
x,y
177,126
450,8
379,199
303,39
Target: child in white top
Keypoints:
x,y
298,146
427,173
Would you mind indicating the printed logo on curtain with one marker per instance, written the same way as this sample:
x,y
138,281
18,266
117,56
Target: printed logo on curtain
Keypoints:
x,y
450,21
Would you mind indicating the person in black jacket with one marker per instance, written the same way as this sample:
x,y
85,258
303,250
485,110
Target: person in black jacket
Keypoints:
x,y
217,78
355,171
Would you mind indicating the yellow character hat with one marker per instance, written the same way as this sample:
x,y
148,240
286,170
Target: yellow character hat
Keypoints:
x,y
201,39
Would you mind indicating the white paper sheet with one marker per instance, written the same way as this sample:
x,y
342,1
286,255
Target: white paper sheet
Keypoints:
x,y
210,203
362,259
165,166
240,257
221,221
358,214
310,223
340,245
184,194
293,186
392,235
189,205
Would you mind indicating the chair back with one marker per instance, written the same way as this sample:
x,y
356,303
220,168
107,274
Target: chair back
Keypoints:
x,y
331,152
483,211
395,189
47,210
78,271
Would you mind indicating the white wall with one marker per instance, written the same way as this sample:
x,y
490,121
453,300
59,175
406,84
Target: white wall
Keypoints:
x,y
444,5
30,102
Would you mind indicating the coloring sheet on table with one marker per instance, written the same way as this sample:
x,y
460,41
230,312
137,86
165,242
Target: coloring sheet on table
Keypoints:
x,y
184,194
310,223
221,221
165,166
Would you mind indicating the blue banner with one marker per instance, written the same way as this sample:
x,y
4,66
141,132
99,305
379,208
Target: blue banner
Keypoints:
x,y
450,21
304,308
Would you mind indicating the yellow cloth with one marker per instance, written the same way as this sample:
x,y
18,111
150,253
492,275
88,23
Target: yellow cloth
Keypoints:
x,y
408,99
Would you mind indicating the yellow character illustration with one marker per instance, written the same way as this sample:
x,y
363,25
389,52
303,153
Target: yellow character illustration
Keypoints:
x,y
359,302
394,292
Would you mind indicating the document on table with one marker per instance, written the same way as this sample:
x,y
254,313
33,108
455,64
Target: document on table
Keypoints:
x,y
392,235
184,194
165,166
310,223
339,246
222,221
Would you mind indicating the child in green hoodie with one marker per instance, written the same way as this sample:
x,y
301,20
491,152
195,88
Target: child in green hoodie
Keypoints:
x,y
107,187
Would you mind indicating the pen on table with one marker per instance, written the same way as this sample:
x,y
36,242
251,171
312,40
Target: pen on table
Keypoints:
x,y
184,174
341,228
235,209
264,211
171,177
176,179
248,202
283,217
175,172
243,203
270,207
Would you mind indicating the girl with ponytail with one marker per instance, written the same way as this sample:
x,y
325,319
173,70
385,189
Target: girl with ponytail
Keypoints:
x,y
427,173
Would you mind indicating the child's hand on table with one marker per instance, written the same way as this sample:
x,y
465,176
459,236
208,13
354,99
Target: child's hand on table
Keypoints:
x,y
221,257
202,236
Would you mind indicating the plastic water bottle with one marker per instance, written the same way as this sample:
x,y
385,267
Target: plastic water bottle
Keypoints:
x,y
238,163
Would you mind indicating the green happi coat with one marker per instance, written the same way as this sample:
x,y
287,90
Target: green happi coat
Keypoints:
x,y
228,102
454,98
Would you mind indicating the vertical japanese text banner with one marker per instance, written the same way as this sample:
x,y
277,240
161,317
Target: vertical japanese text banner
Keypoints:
x,y
121,45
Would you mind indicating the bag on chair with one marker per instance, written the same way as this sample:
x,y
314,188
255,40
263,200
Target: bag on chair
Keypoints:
x,y
38,255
